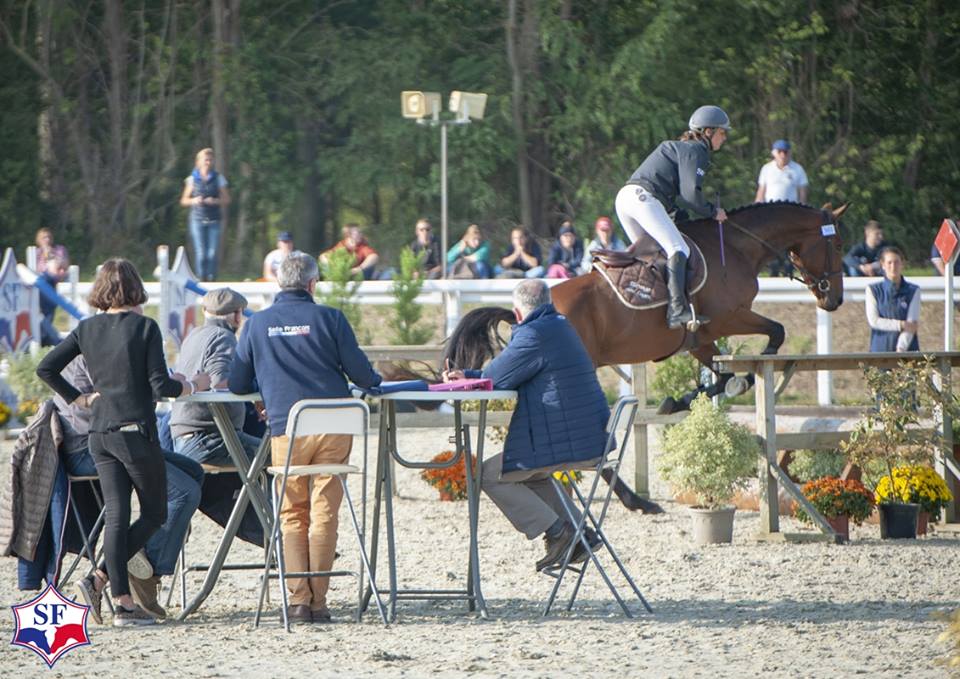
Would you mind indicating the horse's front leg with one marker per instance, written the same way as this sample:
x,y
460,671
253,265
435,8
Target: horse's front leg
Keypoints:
x,y
704,354
748,322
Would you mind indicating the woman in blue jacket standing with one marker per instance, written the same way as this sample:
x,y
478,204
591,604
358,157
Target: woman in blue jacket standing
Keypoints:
x,y
205,192
673,174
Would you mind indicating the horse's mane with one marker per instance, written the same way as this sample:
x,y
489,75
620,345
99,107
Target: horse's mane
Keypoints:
x,y
745,209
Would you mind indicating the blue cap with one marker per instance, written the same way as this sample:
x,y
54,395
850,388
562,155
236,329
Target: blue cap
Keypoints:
x,y
285,236
781,145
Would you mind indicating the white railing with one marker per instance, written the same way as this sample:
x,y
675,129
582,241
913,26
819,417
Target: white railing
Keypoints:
x,y
453,294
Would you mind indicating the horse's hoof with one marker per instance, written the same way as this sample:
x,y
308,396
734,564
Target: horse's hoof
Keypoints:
x,y
735,386
667,406
634,503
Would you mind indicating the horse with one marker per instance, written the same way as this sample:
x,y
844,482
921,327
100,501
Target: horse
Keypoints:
x,y
612,333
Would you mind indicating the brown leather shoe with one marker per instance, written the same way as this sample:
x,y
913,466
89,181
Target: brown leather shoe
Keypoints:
x,y
299,613
556,547
146,593
321,615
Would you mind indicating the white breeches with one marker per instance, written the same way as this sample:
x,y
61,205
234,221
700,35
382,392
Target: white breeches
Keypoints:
x,y
640,211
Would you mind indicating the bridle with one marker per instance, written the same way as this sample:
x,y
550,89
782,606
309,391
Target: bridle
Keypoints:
x,y
814,283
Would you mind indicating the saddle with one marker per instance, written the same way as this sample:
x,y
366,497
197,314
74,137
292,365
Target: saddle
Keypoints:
x,y
638,275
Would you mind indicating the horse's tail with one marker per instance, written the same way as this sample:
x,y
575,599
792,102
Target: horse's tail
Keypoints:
x,y
475,339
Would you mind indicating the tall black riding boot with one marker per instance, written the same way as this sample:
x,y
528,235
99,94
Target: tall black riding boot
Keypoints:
x,y
678,309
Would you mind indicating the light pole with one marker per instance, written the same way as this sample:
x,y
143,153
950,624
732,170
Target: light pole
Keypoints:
x,y
424,107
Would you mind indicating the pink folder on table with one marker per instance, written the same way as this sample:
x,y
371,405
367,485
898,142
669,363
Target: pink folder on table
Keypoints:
x,y
478,384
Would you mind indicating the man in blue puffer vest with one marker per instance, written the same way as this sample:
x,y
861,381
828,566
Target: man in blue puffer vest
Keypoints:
x,y
559,422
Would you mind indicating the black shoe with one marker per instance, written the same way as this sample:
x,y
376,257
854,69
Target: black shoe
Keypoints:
x,y
321,616
679,313
556,547
580,552
299,613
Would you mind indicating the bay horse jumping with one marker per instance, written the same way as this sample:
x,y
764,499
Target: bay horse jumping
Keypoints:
x,y
613,334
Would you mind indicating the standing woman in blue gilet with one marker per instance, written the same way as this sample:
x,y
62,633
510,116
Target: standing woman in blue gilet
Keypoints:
x,y
205,192
673,174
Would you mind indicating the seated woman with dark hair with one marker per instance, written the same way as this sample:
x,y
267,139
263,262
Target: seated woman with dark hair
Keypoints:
x,y
124,354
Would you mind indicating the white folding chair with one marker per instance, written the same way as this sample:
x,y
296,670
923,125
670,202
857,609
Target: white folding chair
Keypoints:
x,y
307,418
625,406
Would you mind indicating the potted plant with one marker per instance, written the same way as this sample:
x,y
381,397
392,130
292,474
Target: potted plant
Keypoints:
x,y
710,456
451,480
884,437
5,413
839,500
917,484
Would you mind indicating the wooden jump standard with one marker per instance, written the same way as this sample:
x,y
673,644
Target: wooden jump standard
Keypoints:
x,y
764,367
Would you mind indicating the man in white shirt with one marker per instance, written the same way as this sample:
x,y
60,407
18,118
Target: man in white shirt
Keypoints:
x,y
272,261
781,178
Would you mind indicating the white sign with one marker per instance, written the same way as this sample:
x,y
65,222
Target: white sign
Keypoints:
x,y
15,306
828,230
182,312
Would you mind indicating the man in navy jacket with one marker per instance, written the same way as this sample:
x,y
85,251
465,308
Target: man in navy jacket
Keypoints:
x,y
559,422
298,349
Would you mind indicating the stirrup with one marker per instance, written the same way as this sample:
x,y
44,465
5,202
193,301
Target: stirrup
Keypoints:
x,y
696,323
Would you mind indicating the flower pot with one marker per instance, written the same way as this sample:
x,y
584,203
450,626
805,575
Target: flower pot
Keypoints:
x,y
840,525
898,520
446,497
711,526
923,518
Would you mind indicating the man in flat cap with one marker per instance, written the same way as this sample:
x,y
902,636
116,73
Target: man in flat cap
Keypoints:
x,y
211,346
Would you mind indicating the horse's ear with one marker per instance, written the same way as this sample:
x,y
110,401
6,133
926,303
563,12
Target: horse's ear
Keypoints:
x,y
827,206
840,210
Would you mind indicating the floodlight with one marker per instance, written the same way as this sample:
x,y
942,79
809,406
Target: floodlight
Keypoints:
x,y
416,104
468,104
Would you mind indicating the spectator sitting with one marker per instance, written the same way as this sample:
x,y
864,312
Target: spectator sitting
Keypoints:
x,y
210,349
893,307
566,254
863,258
522,258
559,422
274,257
606,238
297,349
937,260
470,256
184,478
365,258
54,271
46,248
426,241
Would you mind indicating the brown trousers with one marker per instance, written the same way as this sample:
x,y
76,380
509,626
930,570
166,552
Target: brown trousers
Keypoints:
x,y
309,517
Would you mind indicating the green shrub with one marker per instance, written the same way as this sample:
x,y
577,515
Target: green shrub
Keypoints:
x,y
808,465
23,377
675,377
708,454
344,284
407,284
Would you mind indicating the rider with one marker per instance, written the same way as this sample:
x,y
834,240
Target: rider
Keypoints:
x,y
674,172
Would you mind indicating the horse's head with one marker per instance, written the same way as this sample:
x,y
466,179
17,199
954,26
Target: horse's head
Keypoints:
x,y
818,257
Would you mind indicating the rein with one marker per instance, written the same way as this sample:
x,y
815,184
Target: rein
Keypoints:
x,y
821,283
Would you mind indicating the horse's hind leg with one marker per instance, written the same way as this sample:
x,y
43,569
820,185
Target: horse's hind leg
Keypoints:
x,y
627,497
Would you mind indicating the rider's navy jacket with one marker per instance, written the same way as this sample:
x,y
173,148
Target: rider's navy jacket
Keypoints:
x,y
892,302
297,349
561,413
674,174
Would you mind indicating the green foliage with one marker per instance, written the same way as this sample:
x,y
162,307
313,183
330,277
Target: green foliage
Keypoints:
x,y
883,435
808,465
407,283
675,376
23,376
337,270
708,454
